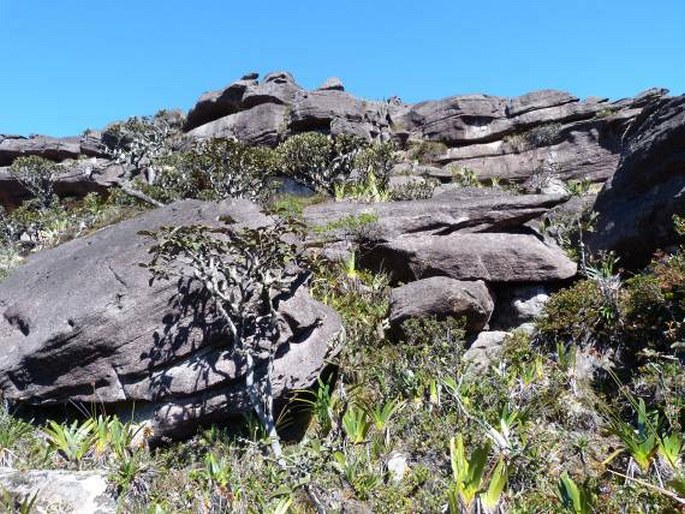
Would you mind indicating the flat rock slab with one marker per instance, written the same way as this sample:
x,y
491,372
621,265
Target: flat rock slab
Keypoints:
x,y
81,322
493,257
442,297
63,492
462,210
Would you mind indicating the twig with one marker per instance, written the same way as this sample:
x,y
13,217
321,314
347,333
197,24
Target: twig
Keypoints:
x,y
126,188
661,490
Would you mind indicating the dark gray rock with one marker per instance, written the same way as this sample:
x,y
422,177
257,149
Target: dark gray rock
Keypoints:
x,y
54,149
588,150
635,208
79,178
277,87
217,104
442,297
459,118
537,100
493,257
82,323
261,125
316,110
461,210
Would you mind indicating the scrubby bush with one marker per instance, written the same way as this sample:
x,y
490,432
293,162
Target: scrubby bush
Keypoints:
x,y
242,271
38,176
343,166
426,152
644,313
215,170
546,134
138,144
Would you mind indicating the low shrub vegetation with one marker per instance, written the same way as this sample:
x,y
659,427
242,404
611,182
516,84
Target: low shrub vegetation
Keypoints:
x,y
585,414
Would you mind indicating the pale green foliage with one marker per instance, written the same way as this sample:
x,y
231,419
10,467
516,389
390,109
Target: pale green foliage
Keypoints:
x,y
356,423
38,176
469,480
345,164
217,169
464,177
139,143
73,441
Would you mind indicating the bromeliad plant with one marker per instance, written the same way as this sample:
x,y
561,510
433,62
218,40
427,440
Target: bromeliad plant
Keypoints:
x,y
471,487
242,270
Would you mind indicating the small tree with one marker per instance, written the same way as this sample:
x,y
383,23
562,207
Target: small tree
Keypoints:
x,y
243,271
38,176
137,144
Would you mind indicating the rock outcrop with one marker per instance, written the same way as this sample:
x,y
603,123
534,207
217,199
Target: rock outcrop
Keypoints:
x,y
493,257
442,297
68,492
512,139
636,207
448,250
550,133
82,323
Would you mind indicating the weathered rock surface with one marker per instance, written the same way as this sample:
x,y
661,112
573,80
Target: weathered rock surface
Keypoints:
x,y
68,492
493,257
332,83
81,322
485,349
460,210
636,206
262,125
79,178
442,297
495,137
51,148
217,104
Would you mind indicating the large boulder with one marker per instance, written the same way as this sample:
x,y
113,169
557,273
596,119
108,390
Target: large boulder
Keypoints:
x,y
442,297
636,207
217,104
277,87
316,110
458,210
82,323
489,256
261,125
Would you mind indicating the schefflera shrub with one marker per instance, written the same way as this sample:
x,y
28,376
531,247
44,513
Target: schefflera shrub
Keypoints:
x,y
217,169
645,317
326,163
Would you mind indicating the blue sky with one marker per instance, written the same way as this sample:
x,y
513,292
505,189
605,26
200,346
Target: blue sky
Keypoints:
x,y
68,65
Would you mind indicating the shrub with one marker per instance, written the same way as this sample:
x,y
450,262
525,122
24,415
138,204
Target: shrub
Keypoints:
x,y
242,271
217,169
542,135
38,176
426,152
464,177
138,144
343,166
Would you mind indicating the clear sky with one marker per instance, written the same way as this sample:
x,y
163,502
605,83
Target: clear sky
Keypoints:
x,y
68,65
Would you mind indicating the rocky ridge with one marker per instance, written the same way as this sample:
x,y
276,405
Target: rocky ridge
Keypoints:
x,y
468,252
